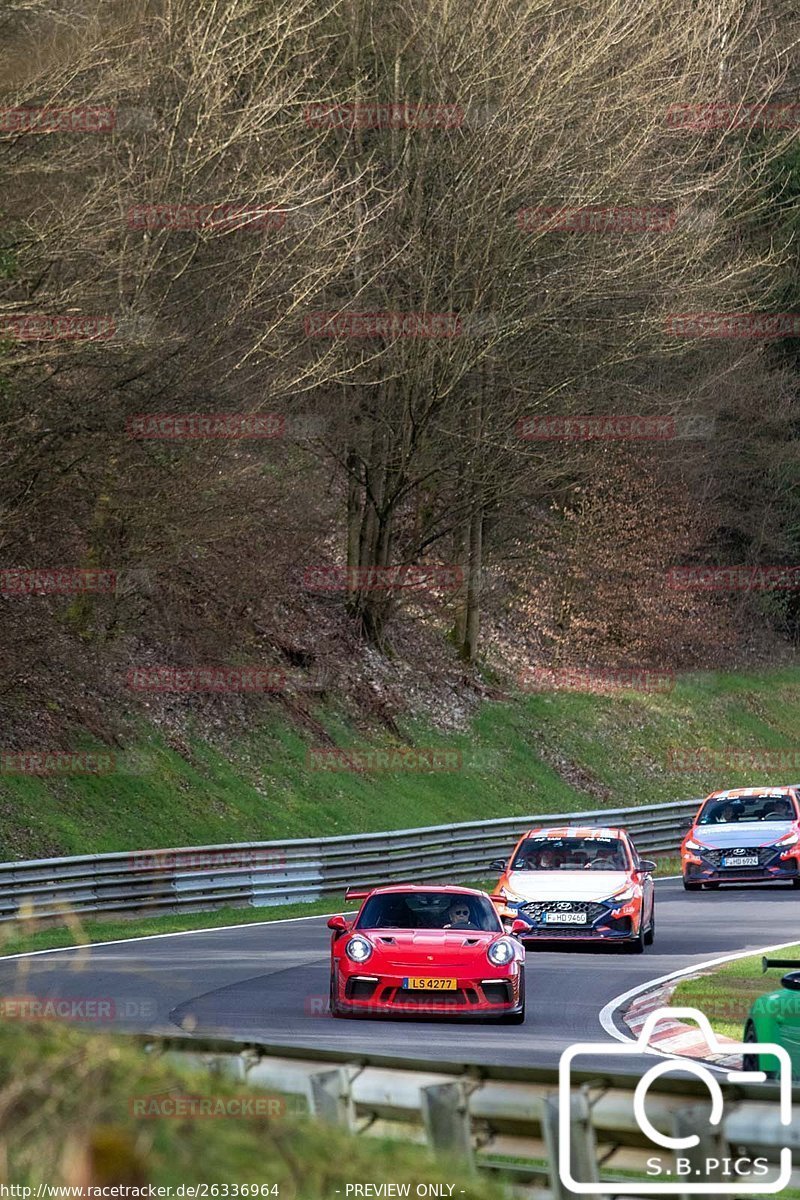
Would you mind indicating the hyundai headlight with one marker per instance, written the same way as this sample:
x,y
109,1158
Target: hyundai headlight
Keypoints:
x,y
358,949
626,894
789,840
500,952
691,844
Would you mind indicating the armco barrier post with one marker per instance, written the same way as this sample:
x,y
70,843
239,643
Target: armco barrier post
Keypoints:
x,y
445,1114
583,1150
329,1097
711,1146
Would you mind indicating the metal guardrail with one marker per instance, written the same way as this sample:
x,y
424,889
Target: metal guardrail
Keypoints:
x,y
258,874
505,1119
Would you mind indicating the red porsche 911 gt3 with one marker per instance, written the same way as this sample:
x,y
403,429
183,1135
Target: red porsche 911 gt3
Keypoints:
x,y
426,951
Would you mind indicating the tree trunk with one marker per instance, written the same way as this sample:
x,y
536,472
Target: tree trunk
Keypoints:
x,y
353,522
474,573
469,645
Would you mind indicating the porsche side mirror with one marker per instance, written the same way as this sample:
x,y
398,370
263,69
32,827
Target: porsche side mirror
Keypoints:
x,y
498,864
518,927
647,865
338,924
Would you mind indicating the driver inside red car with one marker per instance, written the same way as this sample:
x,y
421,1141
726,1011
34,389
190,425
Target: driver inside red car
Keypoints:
x,y
459,916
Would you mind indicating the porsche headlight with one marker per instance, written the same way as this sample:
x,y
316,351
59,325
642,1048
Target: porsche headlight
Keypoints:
x,y
358,949
500,952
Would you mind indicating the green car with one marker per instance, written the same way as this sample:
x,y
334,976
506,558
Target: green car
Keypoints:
x,y
776,1018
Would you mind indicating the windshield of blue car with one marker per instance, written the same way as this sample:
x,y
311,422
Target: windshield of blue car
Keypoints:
x,y
429,910
749,808
570,854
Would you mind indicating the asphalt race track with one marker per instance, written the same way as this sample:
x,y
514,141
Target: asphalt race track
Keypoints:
x,y
270,982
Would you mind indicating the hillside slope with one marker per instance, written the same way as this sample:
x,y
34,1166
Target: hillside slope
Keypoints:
x,y
549,752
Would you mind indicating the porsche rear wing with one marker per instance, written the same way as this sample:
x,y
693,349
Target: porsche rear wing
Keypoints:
x,y
358,892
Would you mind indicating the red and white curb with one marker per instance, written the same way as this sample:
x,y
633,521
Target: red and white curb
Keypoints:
x,y
673,1038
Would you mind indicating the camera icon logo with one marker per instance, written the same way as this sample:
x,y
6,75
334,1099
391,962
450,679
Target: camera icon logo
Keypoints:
x,y
668,1171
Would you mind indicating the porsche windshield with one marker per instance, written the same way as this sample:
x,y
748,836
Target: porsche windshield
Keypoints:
x,y
747,808
570,854
429,910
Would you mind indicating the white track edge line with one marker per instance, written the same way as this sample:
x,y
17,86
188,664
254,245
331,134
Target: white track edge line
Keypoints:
x,y
151,937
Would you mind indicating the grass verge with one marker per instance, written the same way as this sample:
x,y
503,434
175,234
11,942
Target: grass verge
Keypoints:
x,y
726,993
